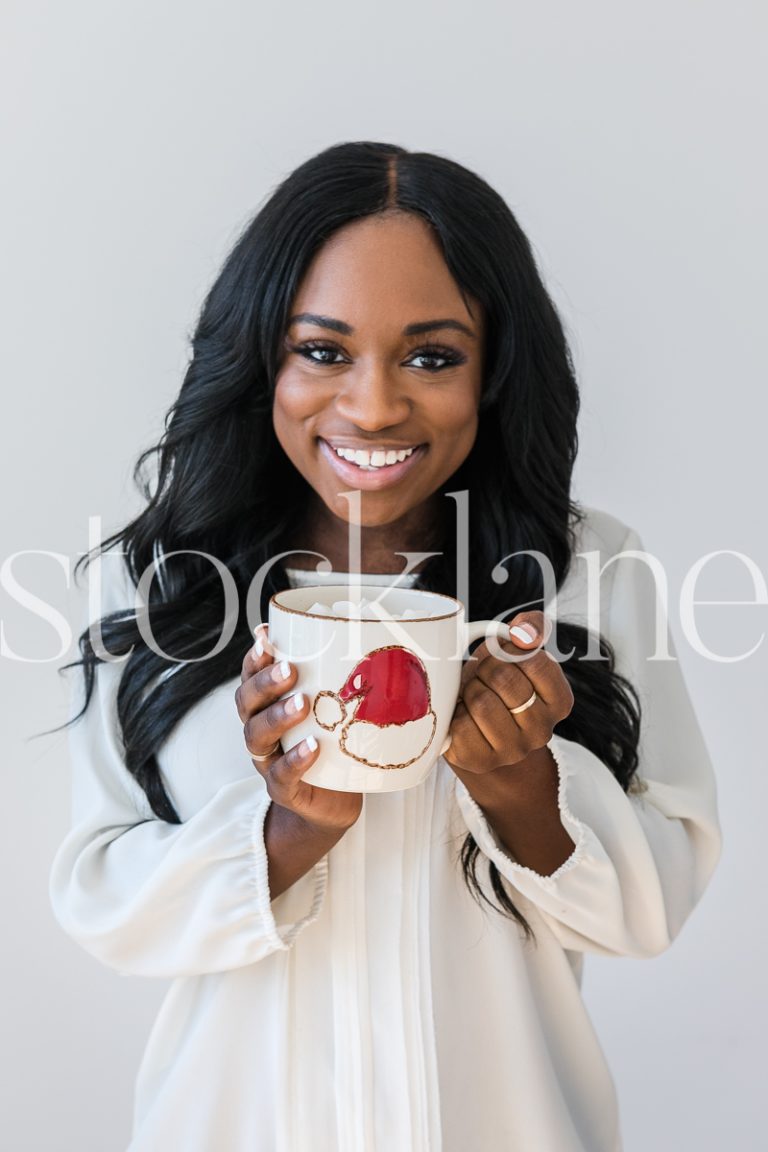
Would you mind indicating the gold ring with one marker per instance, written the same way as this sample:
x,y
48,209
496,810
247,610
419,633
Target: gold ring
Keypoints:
x,y
267,755
522,707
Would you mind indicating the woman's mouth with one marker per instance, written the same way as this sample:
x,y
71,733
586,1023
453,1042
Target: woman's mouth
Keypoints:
x,y
371,468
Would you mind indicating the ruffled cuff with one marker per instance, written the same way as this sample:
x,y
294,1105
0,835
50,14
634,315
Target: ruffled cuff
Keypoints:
x,y
284,917
490,845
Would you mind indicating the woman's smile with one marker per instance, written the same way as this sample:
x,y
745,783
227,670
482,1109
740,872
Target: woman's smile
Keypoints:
x,y
370,467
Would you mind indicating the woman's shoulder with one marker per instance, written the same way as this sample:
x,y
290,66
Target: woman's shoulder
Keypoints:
x,y
598,530
595,531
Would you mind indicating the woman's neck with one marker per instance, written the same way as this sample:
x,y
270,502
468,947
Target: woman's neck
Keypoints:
x,y
381,546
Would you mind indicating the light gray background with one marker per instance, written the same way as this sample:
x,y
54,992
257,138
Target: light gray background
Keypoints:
x,y
137,139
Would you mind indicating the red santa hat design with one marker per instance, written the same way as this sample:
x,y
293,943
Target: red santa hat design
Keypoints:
x,y
384,709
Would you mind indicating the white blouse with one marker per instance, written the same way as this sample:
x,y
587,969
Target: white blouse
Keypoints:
x,y
375,1005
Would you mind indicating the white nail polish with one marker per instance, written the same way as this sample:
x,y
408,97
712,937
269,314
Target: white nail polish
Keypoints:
x,y
295,703
311,743
285,669
521,632
258,649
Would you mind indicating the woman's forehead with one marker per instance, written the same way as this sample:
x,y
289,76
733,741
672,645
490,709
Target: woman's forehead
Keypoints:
x,y
390,274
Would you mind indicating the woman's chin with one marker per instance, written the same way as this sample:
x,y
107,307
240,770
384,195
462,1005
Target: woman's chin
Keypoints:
x,y
359,509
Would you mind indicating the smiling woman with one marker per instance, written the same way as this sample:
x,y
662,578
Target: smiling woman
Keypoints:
x,y
378,352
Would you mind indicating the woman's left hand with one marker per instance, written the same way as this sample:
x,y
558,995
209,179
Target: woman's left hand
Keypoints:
x,y
484,733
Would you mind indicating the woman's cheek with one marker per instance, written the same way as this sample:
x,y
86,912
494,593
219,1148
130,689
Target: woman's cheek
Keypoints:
x,y
294,404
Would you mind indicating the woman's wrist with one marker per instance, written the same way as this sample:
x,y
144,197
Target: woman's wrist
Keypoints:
x,y
293,846
520,803
514,785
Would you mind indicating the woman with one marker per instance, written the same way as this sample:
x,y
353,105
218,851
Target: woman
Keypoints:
x,y
378,356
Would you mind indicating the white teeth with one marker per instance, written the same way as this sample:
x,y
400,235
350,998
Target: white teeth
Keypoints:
x,y
379,458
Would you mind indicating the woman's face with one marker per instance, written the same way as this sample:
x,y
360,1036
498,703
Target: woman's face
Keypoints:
x,y
357,391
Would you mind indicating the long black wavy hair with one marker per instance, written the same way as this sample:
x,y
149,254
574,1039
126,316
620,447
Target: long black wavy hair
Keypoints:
x,y
223,486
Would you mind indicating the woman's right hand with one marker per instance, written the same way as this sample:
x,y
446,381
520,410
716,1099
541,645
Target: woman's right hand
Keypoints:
x,y
266,719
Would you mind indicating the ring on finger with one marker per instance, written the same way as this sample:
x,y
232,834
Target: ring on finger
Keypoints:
x,y
267,755
522,707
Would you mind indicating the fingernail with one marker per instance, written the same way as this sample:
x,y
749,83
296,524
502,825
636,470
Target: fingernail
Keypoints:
x,y
524,632
260,632
295,703
307,746
281,671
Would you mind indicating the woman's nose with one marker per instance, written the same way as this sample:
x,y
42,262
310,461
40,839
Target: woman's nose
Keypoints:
x,y
373,399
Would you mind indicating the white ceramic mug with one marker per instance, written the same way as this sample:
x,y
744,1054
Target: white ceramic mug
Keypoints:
x,y
382,691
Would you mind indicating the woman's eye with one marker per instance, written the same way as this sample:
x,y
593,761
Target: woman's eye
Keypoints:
x,y
308,352
448,357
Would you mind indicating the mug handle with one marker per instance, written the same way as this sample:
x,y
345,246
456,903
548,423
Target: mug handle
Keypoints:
x,y
478,630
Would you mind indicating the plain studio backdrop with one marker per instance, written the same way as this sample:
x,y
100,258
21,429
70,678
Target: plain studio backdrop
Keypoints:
x,y
138,138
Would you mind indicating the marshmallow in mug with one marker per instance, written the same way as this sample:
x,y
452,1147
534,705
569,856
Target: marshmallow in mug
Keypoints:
x,y
364,610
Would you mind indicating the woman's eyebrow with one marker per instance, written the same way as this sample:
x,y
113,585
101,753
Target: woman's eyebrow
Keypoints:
x,y
409,330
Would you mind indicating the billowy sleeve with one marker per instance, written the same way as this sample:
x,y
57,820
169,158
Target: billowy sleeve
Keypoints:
x,y
642,859
151,898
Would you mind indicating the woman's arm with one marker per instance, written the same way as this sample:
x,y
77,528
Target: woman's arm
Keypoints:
x,y
157,899
641,860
